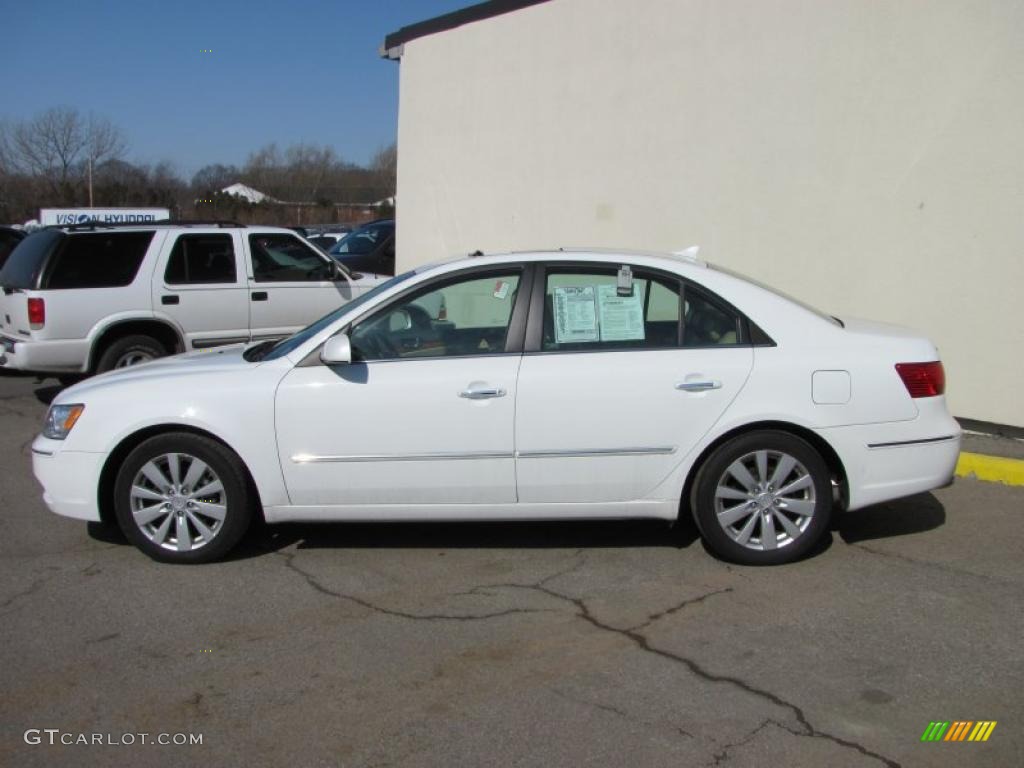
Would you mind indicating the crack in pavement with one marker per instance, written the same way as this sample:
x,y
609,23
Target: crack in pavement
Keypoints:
x,y
582,611
312,582
595,704
930,564
615,711
641,642
33,588
676,608
723,756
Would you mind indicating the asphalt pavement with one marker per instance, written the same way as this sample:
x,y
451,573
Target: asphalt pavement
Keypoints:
x,y
597,644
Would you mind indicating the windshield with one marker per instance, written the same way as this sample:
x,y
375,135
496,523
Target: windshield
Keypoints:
x,y
288,345
363,240
777,292
28,259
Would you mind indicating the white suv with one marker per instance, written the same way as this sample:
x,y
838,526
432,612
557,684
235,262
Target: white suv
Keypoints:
x,y
90,298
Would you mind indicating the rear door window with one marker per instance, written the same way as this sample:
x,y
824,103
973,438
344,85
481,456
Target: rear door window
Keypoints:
x,y
201,259
97,260
584,311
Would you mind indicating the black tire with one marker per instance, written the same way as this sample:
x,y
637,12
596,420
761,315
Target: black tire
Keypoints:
x,y
714,471
236,497
121,350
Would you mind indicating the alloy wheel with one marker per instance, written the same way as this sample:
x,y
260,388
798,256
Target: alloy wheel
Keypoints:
x,y
178,502
765,500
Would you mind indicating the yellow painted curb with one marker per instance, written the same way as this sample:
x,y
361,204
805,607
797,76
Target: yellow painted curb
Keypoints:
x,y
994,469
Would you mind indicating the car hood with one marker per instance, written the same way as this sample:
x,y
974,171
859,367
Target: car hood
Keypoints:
x,y
190,364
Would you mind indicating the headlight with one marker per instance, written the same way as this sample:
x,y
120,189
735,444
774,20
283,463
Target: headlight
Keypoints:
x,y
60,419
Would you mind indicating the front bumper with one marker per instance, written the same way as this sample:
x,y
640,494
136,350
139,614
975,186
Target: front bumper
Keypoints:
x,y
70,479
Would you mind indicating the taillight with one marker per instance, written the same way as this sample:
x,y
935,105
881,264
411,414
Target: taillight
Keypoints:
x,y
36,314
923,379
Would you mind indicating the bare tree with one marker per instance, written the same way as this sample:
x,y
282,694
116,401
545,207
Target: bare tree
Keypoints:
x,y
59,144
213,178
308,166
384,167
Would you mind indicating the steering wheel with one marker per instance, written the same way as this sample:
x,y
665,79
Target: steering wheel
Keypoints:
x,y
376,345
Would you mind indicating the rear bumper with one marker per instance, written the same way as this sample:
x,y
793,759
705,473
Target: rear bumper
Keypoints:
x,y
70,479
892,460
63,356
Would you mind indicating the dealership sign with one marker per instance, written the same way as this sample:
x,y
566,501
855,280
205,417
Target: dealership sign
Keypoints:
x,y
66,216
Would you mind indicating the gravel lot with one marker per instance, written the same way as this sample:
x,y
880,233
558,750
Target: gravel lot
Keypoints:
x,y
612,644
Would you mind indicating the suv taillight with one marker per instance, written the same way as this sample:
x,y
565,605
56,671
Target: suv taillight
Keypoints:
x,y
923,379
36,314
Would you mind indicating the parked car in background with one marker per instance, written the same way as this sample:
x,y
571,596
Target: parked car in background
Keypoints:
x,y
9,238
370,249
560,385
93,297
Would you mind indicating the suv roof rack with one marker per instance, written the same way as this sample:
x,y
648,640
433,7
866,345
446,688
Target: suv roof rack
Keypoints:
x,y
93,224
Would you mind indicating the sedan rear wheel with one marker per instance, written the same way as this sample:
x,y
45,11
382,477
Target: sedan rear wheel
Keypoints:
x,y
182,498
763,498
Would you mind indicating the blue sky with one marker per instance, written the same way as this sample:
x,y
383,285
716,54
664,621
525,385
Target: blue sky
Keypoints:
x,y
304,70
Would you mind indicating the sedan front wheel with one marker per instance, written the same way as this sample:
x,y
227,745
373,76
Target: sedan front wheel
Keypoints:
x,y
763,498
182,498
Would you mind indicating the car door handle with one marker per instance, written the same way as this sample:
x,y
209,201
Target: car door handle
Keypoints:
x,y
260,296
482,393
169,300
698,386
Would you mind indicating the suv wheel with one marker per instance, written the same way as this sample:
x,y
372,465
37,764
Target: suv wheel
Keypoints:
x,y
763,498
131,350
183,498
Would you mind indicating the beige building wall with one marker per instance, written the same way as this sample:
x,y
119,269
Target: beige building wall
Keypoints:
x,y
867,157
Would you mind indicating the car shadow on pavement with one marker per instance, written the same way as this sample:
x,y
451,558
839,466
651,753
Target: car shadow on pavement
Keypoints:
x,y
45,394
263,539
914,514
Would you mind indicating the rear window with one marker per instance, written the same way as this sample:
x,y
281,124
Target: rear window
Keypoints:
x,y
777,292
96,260
27,260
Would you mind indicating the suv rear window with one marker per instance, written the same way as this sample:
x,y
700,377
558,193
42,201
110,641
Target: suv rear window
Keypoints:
x,y
28,258
97,260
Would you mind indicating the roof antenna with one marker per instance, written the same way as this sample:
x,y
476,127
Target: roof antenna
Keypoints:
x,y
688,253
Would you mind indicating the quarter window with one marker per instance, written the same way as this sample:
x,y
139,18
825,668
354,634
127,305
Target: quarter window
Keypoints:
x,y
468,316
279,258
584,310
201,259
708,323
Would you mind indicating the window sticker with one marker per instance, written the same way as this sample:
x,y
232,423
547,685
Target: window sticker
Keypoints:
x,y
500,289
575,310
622,317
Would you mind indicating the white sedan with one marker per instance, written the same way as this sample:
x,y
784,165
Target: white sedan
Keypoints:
x,y
557,385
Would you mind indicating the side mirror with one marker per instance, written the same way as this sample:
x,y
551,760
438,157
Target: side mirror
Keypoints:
x,y
337,350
